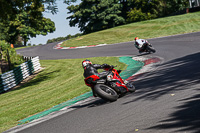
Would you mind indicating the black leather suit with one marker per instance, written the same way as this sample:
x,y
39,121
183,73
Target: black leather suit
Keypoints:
x,y
91,69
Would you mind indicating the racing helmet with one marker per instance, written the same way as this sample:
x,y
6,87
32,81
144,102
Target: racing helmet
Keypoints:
x,y
86,62
136,38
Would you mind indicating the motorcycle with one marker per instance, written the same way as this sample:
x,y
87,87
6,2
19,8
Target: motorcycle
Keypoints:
x,y
111,86
149,48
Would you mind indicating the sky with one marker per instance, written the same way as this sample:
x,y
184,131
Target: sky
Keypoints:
x,y
61,23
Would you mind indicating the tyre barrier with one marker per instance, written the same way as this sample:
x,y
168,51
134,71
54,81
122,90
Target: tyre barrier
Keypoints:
x,y
12,78
27,58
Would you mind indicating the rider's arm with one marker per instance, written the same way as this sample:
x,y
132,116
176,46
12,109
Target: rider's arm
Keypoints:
x,y
98,66
136,45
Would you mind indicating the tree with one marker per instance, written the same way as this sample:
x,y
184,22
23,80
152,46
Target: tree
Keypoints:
x,y
95,15
10,8
150,9
42,26
172,6
144,10
27,23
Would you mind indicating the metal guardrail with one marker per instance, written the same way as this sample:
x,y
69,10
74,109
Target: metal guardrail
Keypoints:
x,y
12,78
194,3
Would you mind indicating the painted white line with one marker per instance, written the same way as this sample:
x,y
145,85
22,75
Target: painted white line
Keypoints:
x,y
90,46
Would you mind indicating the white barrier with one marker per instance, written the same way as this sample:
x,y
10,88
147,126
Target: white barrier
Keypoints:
x,y
12,78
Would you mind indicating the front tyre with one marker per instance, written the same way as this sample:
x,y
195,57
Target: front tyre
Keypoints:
x,y
131,87
105,92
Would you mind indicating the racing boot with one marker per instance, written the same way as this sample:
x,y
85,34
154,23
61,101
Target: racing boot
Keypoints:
x,y
130,86
94,93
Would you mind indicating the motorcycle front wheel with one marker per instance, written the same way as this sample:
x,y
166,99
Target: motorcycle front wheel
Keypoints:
x,y
131,87
105,92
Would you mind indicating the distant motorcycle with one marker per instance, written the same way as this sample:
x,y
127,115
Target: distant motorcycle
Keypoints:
x,y
111,87
149,48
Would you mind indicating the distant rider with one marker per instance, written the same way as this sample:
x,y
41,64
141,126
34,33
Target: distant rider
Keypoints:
x,y
140,44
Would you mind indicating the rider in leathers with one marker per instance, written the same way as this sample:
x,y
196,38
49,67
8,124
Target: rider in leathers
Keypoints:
x,y
140,44
91,69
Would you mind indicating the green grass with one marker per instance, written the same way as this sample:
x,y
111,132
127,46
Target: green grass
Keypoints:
x,y
145,29
23,47
60,81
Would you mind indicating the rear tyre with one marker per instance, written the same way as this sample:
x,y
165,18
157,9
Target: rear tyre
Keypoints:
x,y
151,49
105,92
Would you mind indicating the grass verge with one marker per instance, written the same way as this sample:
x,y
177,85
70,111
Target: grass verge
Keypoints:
x,y
145,29
60,81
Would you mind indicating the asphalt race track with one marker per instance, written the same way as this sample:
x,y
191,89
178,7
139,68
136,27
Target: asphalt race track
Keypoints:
x,y
167,100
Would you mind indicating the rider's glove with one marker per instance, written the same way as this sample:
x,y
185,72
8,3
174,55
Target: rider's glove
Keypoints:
x,y
106,66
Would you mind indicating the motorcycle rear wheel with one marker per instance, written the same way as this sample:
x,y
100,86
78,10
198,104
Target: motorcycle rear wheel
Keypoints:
x,y
151,49
105,92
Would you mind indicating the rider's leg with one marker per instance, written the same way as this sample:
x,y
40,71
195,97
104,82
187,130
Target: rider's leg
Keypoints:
x,y
94,94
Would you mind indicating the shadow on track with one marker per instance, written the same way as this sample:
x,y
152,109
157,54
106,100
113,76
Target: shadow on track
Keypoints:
x,y
182,74
187,116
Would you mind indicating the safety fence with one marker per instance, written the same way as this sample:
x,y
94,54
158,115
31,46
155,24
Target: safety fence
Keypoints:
x,y
12,78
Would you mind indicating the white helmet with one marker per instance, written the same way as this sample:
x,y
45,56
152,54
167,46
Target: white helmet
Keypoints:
x,y
86,62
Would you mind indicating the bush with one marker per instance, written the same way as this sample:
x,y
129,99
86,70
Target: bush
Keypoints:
x,y
4,46
63,38
15,59
137,15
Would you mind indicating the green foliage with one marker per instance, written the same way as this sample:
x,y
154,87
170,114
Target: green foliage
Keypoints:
x,y
95,15
144,10
137,15
172,6
26,24
15,59
11,8
4,46
63,38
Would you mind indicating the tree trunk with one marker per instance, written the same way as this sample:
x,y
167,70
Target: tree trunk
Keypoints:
x,y
1,57
25,41
124,9
8,57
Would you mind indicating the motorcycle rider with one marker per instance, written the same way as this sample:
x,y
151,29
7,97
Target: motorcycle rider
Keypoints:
x,y
91,69
140,44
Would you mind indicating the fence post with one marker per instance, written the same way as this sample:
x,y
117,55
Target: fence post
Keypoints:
x,y
8,57
1,56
